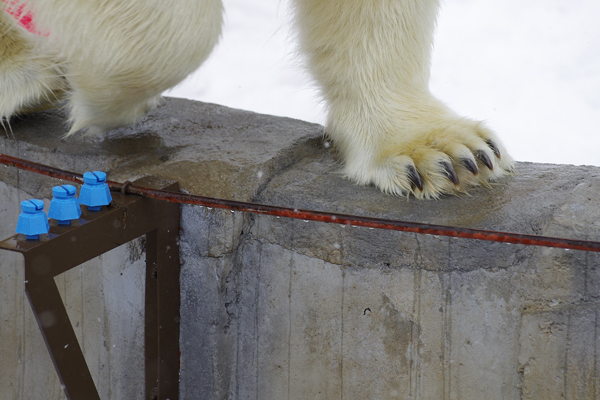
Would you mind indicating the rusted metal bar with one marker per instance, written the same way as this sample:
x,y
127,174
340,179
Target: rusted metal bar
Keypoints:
x,y
41,169
429,229
95,233
344,219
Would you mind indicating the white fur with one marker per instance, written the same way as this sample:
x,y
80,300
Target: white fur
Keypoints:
x,y
371,60
28,78
120,55
369,57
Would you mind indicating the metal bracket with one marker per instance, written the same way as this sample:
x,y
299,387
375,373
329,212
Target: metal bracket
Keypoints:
x,y
127,218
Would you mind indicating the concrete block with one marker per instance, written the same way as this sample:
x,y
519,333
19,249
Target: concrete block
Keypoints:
x,y
273,308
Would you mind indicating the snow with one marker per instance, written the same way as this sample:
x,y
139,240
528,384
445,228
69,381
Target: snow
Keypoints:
x,y
530,68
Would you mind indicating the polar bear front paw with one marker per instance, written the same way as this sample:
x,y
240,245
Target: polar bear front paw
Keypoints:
x,y
427,158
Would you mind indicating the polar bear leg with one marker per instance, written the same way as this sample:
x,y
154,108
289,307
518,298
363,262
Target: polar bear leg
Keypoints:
x,y
122,54
29,80
371,60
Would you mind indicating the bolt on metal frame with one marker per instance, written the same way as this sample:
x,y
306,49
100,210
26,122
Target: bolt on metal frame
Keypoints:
x,y
126,218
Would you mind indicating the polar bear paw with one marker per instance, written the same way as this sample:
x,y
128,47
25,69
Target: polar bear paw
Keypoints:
x,y
431,159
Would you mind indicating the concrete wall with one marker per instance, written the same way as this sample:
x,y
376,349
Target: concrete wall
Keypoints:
x,y
285,309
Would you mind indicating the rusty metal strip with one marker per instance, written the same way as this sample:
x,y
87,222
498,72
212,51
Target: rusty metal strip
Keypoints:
x,y
95,233
421,228
429,229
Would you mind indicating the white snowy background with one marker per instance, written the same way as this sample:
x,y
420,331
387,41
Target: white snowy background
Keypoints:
x,y
530,68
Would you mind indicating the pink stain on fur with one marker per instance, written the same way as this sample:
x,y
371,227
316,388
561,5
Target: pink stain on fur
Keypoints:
x,y
24,18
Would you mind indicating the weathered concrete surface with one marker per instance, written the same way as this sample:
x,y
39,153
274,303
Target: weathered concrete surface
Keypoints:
x,y
286,309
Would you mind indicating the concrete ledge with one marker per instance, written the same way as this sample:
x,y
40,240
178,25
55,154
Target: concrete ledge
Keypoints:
x,y
285,309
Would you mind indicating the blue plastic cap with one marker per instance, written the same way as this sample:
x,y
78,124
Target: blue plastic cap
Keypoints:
x,y
31,206
95,192
94,178
64,191
32,220
64,207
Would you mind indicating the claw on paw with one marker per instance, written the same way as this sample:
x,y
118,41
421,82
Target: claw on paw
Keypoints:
x,y
485,159
470,165
494,148
414,178
450,172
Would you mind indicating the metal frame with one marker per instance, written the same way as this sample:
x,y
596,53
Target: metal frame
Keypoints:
x,y
127,218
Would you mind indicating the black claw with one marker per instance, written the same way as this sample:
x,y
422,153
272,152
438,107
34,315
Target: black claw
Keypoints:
x,y
414,177
493,147
485,159
470,165
450,173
